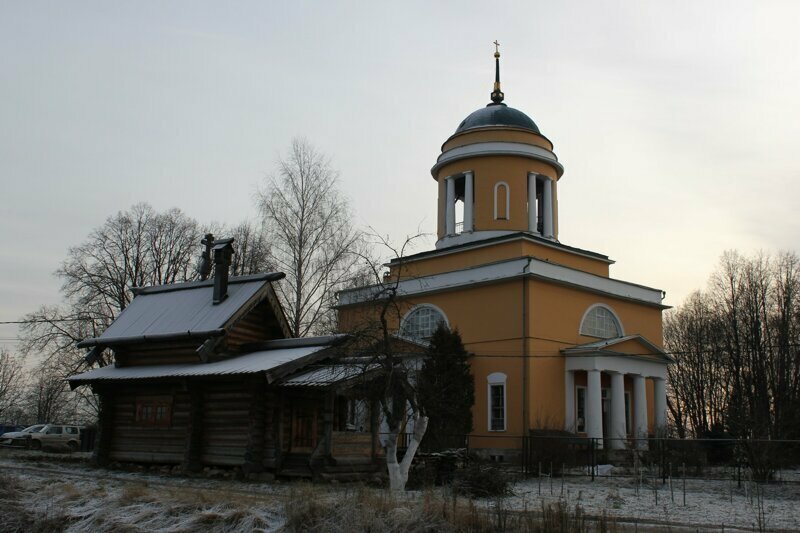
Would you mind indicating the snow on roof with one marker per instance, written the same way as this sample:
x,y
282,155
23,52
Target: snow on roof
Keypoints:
x,y
329,374
251,363
181,308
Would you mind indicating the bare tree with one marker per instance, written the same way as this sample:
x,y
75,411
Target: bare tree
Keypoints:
x,y
133,248
251,250
311,235
12,383
699,379
738,350
49,398
392,368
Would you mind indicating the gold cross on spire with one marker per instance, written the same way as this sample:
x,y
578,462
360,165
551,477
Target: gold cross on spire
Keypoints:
x,y
497,94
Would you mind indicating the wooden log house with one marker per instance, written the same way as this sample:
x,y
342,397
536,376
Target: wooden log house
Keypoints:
x,y
205,374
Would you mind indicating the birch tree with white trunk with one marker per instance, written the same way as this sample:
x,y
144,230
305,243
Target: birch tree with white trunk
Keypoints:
x,y
311,237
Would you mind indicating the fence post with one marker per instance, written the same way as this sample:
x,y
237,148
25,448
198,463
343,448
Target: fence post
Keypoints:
x,y
525,455
594,443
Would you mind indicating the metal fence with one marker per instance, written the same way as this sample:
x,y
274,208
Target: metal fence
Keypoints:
x,y
761,460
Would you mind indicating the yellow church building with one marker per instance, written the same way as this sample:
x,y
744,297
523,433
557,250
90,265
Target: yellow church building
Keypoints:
x,y
556,342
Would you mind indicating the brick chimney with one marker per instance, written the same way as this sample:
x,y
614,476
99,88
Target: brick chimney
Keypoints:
x,y
223,252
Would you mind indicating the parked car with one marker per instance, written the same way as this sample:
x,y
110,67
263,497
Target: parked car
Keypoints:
x,y
57,435
20,438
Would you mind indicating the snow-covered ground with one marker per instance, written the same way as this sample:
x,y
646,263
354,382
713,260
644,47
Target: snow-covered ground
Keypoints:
x,y
715,505
84,498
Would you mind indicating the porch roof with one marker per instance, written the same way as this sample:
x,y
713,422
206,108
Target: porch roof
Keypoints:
x,y
276,357
330,374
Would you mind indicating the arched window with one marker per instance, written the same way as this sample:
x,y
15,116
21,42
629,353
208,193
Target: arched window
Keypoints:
x,y
497,401
600,321
502,201
420,323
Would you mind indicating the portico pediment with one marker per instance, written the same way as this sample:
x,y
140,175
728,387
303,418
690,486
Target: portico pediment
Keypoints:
x,y
629,346
632,354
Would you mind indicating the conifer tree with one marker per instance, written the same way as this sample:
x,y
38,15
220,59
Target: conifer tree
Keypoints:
x,y
446,391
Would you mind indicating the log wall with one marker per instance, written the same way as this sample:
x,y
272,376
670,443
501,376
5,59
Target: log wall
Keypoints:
x,y
226,422
134,442
258,325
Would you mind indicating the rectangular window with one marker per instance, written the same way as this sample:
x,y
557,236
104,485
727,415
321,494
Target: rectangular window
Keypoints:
x,y
154,411
497,407
580,409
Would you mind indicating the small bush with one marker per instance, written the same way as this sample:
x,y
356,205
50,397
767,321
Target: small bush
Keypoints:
x,y
481,481
553,449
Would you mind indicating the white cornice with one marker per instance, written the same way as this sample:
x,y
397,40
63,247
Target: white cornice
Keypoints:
x,y
444,244
506,270
481,149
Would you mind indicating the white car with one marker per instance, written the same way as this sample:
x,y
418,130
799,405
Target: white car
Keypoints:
x,y
20,438
56,435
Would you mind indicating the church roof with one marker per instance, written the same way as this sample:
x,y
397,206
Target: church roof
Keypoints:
x,y
497,115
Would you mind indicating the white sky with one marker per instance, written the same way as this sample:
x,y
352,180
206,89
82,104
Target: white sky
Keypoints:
x,y
676,121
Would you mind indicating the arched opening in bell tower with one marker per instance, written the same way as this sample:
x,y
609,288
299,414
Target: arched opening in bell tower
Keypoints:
x,y
540,205
459,203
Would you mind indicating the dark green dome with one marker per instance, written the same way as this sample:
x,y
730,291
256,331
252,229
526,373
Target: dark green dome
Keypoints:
x,y
497,115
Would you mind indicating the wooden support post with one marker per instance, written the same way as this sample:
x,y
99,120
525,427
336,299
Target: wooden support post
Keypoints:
x,y
375,427
327,424
279,429
254,456
105,428
193,446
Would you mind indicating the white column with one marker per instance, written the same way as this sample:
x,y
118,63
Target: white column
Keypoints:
x,y
532,202
569,400
450,208
468,201
660,403
639,410
547,227
617,427
594,407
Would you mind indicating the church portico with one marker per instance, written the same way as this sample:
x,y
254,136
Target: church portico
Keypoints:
x,y
604,413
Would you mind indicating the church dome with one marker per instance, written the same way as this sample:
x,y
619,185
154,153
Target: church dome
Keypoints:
x,y
497,114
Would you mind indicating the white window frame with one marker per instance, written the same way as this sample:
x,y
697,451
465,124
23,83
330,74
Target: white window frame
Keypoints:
x,y
415,309
497,379
508,200
620,330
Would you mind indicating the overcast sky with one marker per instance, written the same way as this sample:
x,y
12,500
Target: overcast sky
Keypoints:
x,y
677,122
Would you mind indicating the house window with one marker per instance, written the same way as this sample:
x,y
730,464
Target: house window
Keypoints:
x,y
600,321
357,415
420,323
497,401
154,411
580,409
502,201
